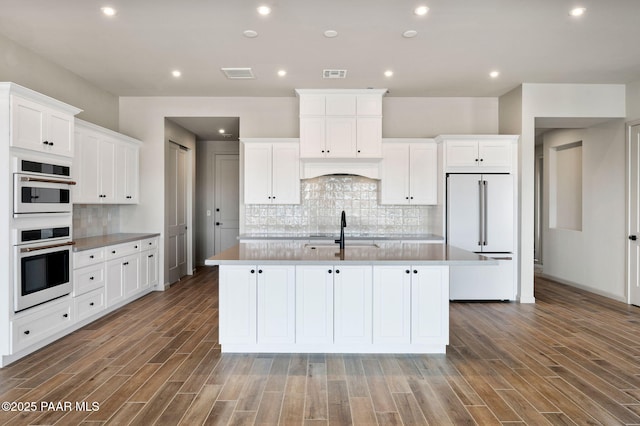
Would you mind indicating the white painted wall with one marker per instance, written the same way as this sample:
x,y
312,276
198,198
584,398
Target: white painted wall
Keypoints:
x,y
27,69
593,258
550,100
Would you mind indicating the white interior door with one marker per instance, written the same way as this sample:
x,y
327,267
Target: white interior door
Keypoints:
x,y
227,202
177,212
633,249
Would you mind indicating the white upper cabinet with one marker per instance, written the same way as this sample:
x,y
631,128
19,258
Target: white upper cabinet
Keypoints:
x,y
271,171
40,127
340,123
409,172
490,153
106,165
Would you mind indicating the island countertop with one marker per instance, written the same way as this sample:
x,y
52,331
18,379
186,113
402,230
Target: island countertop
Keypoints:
x,y
384,253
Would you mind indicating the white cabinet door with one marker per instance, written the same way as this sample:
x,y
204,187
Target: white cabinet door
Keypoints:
x,y
285,173
369,137
106,167
131,274
353,296
148,269
60,133
462,153
237,304
312,105
314,305
114,282
257,173
423,174
340,105
495,153
86,169
369,105
39,128
430,305
394,184
340,137
126,178
312,137
276,304
391,304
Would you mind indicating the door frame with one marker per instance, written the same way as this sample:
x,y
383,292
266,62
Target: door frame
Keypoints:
x,y
628,126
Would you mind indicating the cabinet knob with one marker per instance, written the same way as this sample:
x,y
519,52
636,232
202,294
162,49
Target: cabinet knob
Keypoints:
x,y
415,271
113,251
218,223
259,271
337,271
91,257
327,151
476,160
65,315
253,271
135,247
91,278
323,151
406,198
482,159
27,332
358,151
411,198
407,271
329,271
91,304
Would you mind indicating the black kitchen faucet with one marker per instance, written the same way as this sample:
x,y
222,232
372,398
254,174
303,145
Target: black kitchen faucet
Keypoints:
x,y
343,223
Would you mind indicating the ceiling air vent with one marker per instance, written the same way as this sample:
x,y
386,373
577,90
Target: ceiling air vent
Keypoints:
x,y
334,74
238,73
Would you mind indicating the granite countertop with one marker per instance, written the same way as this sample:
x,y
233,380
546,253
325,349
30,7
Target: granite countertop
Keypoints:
x,y
89,243
385,253
329,236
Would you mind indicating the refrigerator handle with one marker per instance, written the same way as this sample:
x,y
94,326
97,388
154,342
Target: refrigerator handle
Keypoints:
x,y
481,215
484,213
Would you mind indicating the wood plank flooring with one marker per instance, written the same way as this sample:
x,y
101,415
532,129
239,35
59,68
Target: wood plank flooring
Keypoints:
x,y
572,358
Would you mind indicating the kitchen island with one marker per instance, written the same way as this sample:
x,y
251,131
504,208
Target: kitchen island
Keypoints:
x,y
297,296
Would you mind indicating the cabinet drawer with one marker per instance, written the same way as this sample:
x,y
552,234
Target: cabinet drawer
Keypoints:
x,y
87,279
33,327
123,249
89,304
88,257
149,244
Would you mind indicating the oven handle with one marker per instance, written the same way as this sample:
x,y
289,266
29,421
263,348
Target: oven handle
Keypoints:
x,y
35,179
30,249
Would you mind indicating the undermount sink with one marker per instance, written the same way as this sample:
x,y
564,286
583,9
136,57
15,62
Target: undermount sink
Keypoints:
x,y
335,246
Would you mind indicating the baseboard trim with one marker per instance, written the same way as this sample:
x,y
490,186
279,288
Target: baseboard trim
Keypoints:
x,y
569,283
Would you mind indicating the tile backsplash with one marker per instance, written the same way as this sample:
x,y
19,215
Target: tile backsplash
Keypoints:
x,y
323,199
91,220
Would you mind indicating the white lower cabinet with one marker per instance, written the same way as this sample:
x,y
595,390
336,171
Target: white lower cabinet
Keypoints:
x,y
392,304
238,304
314,305
89,304
32,327
122,278
276,304
334,308
148,268
353,297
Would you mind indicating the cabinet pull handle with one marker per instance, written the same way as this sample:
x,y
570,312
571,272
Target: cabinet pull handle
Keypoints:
x,y
150,255
91,304
91,257
65,315
27,332
125,263
91,278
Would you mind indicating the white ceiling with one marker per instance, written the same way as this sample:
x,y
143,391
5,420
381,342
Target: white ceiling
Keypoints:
x,y
458,43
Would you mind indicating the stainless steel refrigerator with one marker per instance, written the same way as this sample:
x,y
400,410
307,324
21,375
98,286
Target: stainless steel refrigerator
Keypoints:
x,y
481,219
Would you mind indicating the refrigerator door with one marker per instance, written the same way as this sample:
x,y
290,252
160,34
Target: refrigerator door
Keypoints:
x,y
463,206
498,223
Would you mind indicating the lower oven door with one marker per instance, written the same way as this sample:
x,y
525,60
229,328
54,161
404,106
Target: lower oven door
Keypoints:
x,y
43,273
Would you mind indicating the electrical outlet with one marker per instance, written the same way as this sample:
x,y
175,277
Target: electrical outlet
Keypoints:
x,y
208,212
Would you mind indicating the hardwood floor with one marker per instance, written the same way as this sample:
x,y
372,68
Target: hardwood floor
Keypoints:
x,y
572,358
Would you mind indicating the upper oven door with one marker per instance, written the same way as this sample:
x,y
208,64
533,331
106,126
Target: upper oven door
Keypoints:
x,y
34,194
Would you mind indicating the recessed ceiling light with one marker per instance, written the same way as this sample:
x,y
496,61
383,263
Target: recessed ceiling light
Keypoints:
x,y
494,74
331,33
282,73
176,73
421,10
388,73
578,11
109,11
250,34
221,131
264,10
409,34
